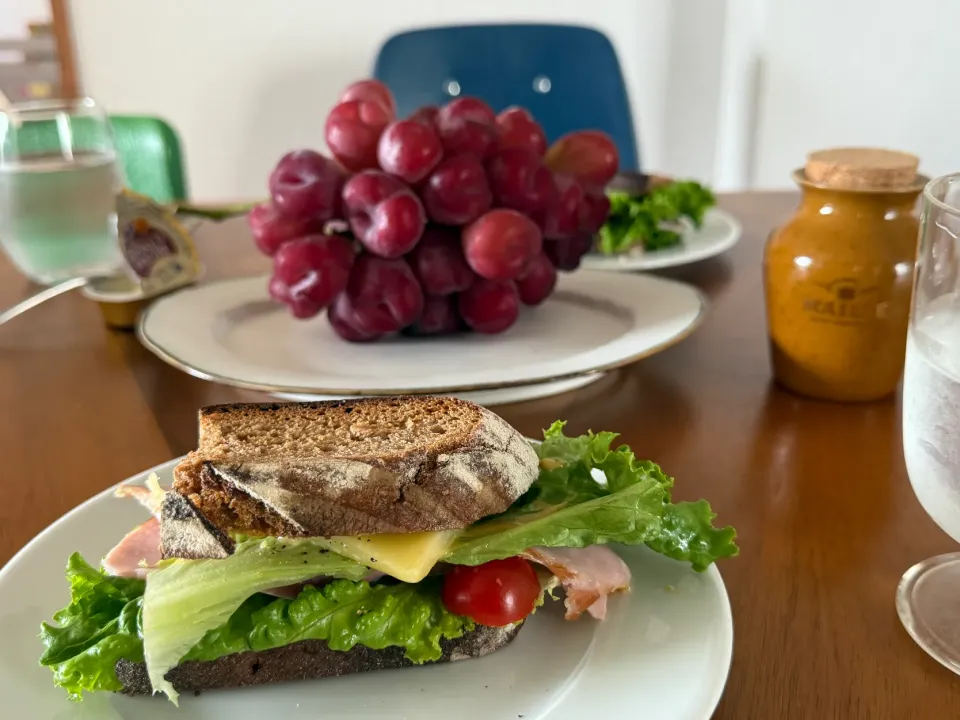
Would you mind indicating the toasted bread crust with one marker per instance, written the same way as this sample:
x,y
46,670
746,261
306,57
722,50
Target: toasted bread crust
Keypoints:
x,y
304,660
379,465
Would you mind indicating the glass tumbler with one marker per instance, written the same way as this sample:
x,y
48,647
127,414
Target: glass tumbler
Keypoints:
x,y
928,597
59,179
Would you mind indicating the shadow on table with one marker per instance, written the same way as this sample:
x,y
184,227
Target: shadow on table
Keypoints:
x,y
712,275
612,403
649,411
173,396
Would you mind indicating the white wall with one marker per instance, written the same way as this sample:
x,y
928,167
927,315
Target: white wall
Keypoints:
x,y
15,14
244,81
733,92
857,72
691,102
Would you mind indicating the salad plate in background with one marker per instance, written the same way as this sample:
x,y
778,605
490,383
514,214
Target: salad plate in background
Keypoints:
x,y
657,222
719,232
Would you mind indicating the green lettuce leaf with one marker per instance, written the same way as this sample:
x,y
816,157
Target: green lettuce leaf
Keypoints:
x,y
569,506
208,592
103,624
646,219
344,614
687,534
97,628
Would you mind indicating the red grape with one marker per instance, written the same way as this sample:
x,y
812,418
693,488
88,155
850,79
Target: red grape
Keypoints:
x,y
309,272
457,192
409,150
588,155
439,317
353,130
467,125
499,245
462,215
594,209
427,115
438,263
566,254
562,218
489,306
382,296
371,91
271,229
384,214
306,186
517,128
519,181
537,281
340,315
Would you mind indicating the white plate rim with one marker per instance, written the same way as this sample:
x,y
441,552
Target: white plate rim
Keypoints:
x,y
491,397
627,262
217,377
711,699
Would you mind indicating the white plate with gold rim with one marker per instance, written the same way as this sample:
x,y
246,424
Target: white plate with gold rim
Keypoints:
x,y
230,332
663,651
720,232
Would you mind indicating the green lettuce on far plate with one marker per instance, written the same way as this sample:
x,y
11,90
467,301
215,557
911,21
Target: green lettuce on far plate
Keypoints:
x,y
646,219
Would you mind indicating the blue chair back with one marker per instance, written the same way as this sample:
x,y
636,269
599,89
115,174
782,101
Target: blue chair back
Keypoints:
x,y
567,76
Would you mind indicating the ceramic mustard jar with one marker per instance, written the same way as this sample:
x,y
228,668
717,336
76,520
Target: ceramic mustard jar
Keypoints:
x,y
838,275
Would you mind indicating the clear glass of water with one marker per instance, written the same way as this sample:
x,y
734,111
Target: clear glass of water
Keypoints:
x,y
59,179
928,598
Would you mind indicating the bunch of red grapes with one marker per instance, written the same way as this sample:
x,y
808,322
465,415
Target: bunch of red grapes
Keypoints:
x,y
445,221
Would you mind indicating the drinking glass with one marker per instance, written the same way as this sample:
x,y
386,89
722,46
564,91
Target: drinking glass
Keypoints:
x,y
59,180
928,598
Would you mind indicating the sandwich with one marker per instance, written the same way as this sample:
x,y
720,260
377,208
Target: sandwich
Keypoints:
x,y
310,540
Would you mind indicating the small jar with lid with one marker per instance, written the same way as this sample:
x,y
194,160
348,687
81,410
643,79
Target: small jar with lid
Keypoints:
x,y
838,275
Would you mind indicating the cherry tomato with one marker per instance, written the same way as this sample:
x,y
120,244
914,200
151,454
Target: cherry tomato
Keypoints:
x,y
496,593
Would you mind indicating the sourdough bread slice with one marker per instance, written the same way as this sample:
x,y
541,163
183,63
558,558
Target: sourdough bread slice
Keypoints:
x,y
303,660
379,465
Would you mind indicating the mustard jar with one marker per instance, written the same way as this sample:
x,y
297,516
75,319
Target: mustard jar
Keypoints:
x,y
838,274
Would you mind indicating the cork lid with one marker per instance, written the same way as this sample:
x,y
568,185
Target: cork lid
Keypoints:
x,y
862,168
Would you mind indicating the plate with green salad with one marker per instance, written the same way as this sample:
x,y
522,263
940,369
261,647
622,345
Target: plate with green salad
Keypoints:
x,y
657,222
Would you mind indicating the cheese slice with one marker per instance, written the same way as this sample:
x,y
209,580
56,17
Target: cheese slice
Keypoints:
x,y
406,556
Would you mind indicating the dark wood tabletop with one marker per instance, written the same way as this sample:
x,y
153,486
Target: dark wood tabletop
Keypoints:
x,y
818,491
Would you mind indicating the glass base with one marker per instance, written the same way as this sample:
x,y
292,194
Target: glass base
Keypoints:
x,y
928,601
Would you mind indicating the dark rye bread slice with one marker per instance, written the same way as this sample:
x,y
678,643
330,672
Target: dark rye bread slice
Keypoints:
x,y
378,465
304,660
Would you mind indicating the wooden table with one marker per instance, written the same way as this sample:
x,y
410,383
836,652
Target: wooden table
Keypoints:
x,y
818,491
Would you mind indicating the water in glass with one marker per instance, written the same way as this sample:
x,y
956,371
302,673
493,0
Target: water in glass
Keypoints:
x,y
58,215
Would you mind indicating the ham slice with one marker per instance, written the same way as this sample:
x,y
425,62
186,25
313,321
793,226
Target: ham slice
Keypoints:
x,y
138,550
149,495
588,576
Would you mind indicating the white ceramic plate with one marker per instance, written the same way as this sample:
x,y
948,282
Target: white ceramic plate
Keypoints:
x,y
663,651
495,396
230,332
720,232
